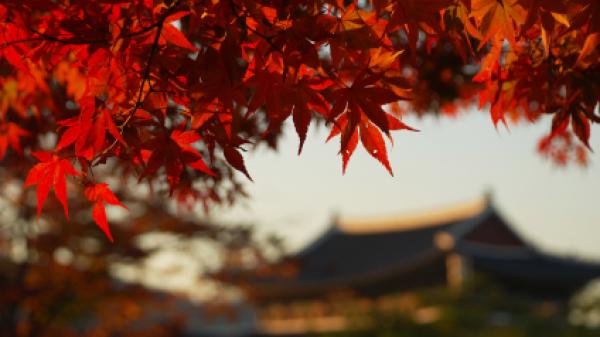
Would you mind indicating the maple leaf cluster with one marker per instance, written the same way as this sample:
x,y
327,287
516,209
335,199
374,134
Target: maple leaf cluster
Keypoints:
x,y
173,92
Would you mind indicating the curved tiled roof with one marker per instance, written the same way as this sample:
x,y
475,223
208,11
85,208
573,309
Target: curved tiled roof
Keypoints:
x,y
392,253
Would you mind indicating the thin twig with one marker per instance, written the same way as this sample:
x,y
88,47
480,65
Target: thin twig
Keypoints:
x,y
145,78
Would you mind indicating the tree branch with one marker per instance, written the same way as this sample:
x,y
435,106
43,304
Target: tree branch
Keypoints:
x,y
145,78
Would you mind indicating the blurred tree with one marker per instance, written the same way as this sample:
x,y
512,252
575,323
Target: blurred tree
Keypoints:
x,y
482,308
62,280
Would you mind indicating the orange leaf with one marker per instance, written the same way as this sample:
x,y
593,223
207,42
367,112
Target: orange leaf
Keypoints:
x,y
373,142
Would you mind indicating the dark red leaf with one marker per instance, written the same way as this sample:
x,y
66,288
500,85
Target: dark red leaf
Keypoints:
x,y
235,159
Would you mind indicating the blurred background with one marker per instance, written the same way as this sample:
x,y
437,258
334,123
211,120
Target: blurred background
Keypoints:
x,y
475,234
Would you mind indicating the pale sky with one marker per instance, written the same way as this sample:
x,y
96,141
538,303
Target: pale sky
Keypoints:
x,y
449,161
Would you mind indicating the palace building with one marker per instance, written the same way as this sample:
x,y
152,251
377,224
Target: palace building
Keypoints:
x,y
376,263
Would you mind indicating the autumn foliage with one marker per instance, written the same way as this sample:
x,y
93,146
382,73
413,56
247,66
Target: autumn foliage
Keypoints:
x,y
171,93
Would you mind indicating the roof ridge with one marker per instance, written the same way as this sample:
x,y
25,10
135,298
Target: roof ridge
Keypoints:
x,y
414,220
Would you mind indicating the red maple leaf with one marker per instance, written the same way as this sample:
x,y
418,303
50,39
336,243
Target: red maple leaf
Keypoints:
x,y
10,134
173,35
175,151
50,173
88,130
361,103
100,194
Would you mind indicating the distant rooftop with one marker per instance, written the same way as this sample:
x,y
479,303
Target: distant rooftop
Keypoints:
x,y
414,220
